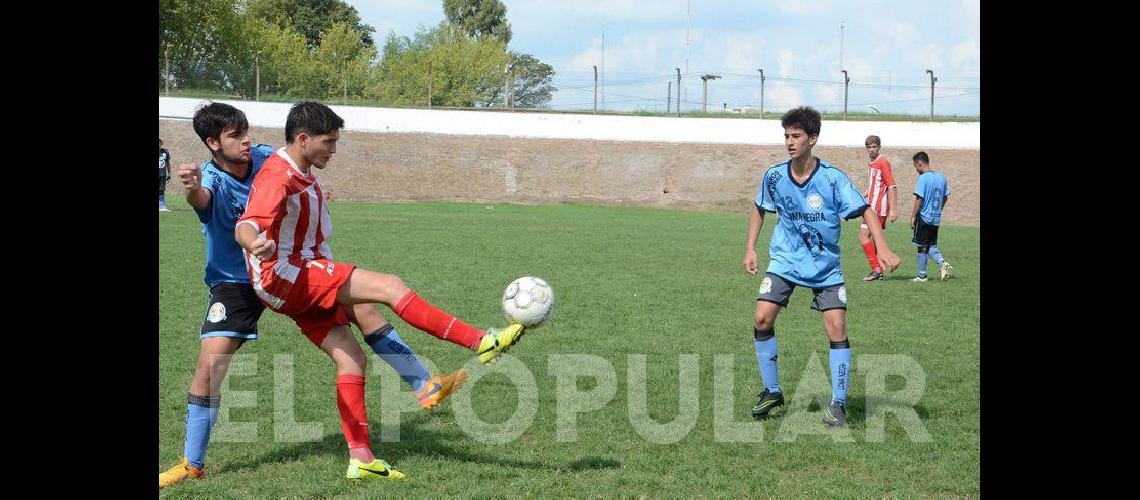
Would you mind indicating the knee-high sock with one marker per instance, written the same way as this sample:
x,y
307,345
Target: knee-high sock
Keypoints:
x,y
921,264
937,255
765,342
872,256
392,349
353,416
840,360
201,413
426,317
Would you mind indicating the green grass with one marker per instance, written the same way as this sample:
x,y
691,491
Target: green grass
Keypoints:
x,y
658,283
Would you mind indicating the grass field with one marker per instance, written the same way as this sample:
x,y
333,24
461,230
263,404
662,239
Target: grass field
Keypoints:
x,y
629,282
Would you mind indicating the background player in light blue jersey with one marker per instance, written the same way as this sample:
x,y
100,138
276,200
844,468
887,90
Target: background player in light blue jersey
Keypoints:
x,y
218,191
812,198
930,194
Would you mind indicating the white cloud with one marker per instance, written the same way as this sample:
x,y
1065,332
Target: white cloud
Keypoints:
x,y
929,57
780,94
965,58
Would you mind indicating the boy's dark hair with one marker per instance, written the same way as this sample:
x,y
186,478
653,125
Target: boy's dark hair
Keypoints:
x,y
921,156
804,118
213,118
873,139
312,118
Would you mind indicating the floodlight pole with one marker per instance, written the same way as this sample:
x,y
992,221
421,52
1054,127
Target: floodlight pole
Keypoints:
x,y
932,80
846,80
669,97
595,89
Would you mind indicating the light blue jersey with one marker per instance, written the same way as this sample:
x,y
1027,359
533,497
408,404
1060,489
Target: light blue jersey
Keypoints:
x,y
805,243
224,260
933,189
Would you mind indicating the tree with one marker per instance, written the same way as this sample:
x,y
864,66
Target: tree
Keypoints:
x,y
311,18
531,87
466,71
206,46
479,18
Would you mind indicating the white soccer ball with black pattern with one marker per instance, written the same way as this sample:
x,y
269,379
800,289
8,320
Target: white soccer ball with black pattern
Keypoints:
x,y
528,301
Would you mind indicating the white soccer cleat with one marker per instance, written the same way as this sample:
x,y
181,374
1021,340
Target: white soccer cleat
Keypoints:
x,y
944,270
919,279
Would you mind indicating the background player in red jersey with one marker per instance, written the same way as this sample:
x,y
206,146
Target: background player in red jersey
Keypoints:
x,y
284,233
880,194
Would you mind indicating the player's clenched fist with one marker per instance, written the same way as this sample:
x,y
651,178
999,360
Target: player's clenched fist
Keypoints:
x,y
263,249
190,175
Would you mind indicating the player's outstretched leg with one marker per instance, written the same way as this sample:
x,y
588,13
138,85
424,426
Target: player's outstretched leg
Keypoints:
x,y
387,344
365,286
202,408
839,358
350,363
764,340
872,255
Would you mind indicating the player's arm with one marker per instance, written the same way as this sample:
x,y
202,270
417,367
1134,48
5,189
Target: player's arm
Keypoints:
x,y
191,177
886,257
266,204
755,223
892,215
914,212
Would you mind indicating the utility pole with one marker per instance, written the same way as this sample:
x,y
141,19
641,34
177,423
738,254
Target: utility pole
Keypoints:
x,y
841,25
761,93
166,59
595,89
932,80
507,86
846,80
257,76
669,98
346,81
678,92
429,84
706,79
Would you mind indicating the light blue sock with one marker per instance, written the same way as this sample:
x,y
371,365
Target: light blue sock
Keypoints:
x,y
765,342
937,255
201,413
922,265
392,349
840,359
162,200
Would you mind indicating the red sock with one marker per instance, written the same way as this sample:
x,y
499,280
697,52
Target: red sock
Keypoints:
x,y
872,256
353,416
426,317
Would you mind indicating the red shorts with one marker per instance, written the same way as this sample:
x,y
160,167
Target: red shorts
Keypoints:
x,y
312,298
882,223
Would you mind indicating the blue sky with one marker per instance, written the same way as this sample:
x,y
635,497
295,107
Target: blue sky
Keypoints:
x,y
886,47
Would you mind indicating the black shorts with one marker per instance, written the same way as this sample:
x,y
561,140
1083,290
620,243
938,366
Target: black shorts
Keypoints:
x,y
924,234
774,288
233,312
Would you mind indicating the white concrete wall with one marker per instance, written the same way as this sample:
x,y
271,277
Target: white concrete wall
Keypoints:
x,y
949,135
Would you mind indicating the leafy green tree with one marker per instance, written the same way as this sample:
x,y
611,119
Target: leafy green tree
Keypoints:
x,y
466,71
479,18
311,18
531,86
205,42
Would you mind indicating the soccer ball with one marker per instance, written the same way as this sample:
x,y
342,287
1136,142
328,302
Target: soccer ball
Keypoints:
x,y
529,301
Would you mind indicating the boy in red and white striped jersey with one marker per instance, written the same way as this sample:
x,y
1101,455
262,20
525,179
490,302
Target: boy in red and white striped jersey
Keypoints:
x,y
284,233
881,194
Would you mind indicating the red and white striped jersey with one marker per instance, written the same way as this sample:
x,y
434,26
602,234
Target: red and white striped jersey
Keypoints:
x,y
290,209
881,178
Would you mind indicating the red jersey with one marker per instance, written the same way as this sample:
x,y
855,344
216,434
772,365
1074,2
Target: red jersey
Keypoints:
x,y
881,179
289,207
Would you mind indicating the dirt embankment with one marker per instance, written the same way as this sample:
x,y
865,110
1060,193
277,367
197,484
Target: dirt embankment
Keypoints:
x,y
403,167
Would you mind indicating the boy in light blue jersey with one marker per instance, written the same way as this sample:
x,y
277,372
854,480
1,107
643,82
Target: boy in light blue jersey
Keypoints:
x,y
218,191
812,198
930,194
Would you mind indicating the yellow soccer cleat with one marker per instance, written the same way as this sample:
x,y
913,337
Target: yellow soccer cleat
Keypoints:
x,y
439,388
376,469
496,342
179,472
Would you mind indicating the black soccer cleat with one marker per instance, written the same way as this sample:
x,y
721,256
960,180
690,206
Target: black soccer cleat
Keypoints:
x,y
836,415
766,402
